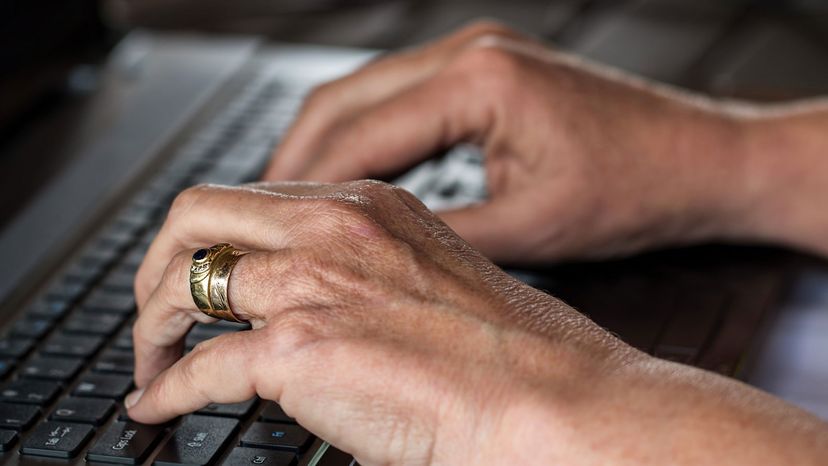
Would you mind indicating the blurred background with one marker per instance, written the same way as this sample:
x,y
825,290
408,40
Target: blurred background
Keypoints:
x,y
764,49
51,51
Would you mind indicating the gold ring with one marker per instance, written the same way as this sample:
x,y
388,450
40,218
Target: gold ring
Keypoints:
x,y
209,279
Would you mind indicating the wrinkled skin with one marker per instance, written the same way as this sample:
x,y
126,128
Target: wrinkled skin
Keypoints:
x,y
382,331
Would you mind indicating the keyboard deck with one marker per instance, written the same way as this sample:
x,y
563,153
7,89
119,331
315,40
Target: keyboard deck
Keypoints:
x,y
68,360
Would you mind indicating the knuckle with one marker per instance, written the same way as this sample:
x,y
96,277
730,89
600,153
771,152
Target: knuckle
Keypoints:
x,y
491,70
292,332
320,96
331,214
187,199
352,212
485,27
488,59
372,188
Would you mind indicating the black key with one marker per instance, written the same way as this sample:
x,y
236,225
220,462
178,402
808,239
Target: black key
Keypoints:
x,y
119,281
51,368
135,256
193,339
48,308
98,255
83,410
104,385
115,361
57,439
122,413
197,441
33,392
31,327
241,456
274,413
7,439
114,239
17,417
84,272
5,367
220,327
288,437
15,348
335,457
134,218
123,340
208,331
95,323
107,301
71,345
234,326
694,318
125,443
237,410
68,289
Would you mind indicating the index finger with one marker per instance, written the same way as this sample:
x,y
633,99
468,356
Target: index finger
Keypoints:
x,y
402,130
373,83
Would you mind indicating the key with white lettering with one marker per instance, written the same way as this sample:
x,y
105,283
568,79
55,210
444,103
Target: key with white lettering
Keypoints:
x,y
57,439
125,443
197,441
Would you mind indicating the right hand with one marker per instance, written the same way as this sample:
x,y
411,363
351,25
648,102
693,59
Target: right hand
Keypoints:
x,y
580,161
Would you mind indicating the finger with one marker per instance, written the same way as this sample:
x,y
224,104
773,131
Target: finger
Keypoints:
x,y
402,130
375,82
216,371
170,312
490,227
246,217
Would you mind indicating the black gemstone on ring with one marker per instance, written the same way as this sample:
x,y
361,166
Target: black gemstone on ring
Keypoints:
x,y
201,254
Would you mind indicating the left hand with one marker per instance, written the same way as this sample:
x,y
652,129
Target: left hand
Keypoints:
x,y
384,333
374,325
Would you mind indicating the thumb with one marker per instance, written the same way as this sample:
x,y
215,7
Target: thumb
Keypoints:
x,y
495,227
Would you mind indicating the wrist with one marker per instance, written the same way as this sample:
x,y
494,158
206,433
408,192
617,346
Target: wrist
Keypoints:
x,y
701,151
781,187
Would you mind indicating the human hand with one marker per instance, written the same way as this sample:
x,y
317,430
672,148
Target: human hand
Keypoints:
x,y
580,161
374,325
384,333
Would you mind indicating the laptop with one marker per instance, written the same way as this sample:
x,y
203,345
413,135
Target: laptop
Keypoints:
x,y
166,111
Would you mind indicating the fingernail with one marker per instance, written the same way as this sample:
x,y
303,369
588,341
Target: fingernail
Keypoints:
x,y
132,399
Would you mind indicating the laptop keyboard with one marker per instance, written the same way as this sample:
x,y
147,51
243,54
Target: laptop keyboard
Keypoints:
x,y
68,359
